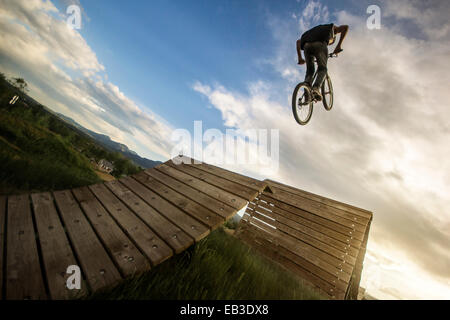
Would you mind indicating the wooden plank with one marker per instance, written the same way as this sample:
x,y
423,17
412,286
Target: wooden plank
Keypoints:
x,y
301,235
293,220
311,254
332,280
334,292
343,270
123,251
23,271
292,228
337,215
317,240
318,201
331,202
174,236
283,208
2,239
218,207
57,254
97,266
251,183
232,187
289,218
148,242
347,230
249,235
265,249
325,211
202,214
212,191
278,237
185,222
327,282
261,237
356,276
344,247
261,226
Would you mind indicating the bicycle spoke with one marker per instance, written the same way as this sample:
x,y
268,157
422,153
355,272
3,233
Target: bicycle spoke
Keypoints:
x,y
302,106
300,101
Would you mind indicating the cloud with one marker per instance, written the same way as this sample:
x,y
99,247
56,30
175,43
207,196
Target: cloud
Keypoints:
x,y
383,145
430,17
313,14
65,74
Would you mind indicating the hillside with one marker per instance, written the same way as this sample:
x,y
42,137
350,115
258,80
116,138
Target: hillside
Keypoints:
x,y
106,142
40,152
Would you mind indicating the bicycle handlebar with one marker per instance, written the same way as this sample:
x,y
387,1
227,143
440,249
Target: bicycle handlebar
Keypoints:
x,y
334,55
331,55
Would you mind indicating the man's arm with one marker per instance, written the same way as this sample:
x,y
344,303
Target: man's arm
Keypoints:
x,y
343,29
299,52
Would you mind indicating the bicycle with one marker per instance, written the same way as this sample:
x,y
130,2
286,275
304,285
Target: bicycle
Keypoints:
x,y
303,108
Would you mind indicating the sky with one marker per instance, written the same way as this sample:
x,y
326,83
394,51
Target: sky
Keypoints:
x,y
138,70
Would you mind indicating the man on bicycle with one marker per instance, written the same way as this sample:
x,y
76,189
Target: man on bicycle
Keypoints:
x,y
314,43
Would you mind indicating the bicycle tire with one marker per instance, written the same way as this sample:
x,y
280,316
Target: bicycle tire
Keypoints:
x,y
327,105
295,104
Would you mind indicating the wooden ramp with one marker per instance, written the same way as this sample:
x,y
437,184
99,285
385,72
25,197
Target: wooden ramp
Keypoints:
x,y
121,228
112,230
321,240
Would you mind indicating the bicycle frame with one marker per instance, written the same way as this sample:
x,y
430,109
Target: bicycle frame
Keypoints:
x,y
331,55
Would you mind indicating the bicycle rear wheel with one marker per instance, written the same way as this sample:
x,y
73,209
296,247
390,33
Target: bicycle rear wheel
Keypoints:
x,y
327,93
302,104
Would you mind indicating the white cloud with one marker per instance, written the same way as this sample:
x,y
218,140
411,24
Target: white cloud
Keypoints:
x,y
431,18
65,74
313,14
382,147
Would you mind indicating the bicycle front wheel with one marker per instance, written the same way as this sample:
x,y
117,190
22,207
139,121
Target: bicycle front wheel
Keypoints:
x,y
302,104
327,93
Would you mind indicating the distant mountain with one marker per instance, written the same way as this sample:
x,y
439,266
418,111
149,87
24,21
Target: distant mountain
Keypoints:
x,y
106,142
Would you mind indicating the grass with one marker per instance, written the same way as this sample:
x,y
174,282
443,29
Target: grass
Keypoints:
x,y
104,176
41,152
232,223
218,267
34,158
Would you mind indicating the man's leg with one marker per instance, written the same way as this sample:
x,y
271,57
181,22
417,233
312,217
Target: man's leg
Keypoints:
x,y
310,67
322,59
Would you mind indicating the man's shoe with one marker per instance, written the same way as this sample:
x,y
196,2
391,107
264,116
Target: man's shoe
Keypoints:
x,y
307,97
316,94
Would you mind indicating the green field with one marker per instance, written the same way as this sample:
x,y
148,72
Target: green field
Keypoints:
x,y
218,267
41,152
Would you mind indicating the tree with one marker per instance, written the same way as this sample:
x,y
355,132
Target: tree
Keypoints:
x,y
20,84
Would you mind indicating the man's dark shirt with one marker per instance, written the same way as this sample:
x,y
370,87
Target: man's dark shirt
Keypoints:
x,y
322,33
